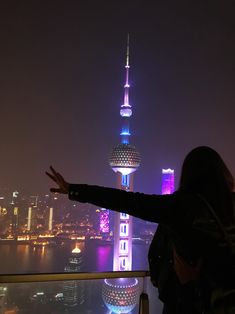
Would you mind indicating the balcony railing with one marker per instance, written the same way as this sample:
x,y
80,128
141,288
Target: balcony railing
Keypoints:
x,y
98,293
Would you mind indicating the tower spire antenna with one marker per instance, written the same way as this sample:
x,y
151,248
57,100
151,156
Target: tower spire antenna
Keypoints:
x,y
127,66
125,110
127,50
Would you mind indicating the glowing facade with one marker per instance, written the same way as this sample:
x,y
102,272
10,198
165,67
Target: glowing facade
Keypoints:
x,y
32,217
124,160
168,184
29,223
50,219
104,221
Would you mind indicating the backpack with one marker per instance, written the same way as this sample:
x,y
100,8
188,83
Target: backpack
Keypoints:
x,y
160,261
213,277
207,288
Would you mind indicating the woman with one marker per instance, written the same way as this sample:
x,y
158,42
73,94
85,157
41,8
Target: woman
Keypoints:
x,y
205,181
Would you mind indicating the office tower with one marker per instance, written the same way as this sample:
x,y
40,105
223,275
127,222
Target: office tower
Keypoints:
x,y
74,290
15,222
50,219
104,221
15,214
121,295
29,219
168,184
32,213
33,199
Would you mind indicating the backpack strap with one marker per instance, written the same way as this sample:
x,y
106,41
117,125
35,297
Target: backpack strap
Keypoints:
x,y
218,221
186,272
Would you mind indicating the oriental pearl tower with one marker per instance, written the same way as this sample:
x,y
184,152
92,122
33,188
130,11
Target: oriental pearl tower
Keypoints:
x,y
121,295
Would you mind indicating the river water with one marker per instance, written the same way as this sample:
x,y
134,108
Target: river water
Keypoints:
x,y
25,258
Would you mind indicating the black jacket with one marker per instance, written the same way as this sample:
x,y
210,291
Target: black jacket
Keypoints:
x,y
179,211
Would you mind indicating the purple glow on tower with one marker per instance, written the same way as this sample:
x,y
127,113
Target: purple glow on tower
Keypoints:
x,y
168,184
126,86
104,221
125,110
124,160
121,295
103,253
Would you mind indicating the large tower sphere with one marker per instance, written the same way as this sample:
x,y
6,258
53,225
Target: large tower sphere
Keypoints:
x,y
124,158
120,295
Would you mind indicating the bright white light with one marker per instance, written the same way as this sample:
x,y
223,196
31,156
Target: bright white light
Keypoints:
x,y
124,171
167,170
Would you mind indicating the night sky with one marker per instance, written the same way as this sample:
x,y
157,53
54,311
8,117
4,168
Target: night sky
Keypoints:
x,y
61,87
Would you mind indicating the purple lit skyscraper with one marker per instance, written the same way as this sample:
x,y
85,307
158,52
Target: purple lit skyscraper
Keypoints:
x,y
104,221
168,184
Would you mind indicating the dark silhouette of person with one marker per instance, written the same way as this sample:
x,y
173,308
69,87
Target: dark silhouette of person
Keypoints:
x,y
162,274
205,181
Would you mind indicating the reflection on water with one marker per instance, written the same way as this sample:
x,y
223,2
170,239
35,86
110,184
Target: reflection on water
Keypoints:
x,y
33,259
48,298
103,256
26,258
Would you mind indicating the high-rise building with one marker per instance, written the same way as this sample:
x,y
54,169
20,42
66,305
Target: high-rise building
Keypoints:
x,y
104,221
121,295
50,219
15,214
15,221
29,219
32,214
168,183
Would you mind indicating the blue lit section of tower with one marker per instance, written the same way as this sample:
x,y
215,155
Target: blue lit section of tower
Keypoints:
x,y
121,295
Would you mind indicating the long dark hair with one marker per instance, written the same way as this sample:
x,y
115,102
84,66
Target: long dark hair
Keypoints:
x,y
204,172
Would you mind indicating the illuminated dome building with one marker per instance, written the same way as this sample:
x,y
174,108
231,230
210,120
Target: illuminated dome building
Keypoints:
x,y
121,295
74,290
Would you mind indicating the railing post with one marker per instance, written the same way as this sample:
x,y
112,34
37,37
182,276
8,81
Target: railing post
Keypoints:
x,y
144,299
144,303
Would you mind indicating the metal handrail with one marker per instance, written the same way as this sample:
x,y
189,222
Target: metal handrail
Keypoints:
x,y
20,278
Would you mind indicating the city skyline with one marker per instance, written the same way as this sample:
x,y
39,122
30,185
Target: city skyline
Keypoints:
x,y
61,88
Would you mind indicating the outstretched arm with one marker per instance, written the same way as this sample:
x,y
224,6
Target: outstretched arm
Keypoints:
x,y
155,208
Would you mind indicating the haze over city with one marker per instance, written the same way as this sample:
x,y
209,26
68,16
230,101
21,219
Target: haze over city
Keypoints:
x,y
62,76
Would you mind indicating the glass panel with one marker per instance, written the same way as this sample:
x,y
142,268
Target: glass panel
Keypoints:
x,y
84,296
27,246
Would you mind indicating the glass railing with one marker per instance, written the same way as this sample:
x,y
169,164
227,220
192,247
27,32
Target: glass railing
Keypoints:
x,y
83,293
